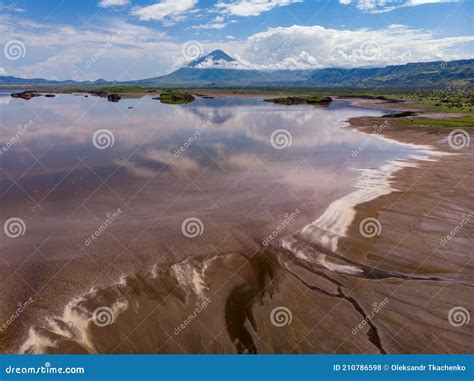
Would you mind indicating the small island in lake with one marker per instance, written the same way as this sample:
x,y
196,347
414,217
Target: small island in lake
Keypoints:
x,y
300,100
175,97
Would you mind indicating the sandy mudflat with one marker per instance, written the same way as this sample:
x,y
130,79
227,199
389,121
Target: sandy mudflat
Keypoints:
x,y
433,200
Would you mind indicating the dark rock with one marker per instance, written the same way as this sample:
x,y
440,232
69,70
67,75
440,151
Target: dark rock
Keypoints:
x,y
49,95
26,94
113,97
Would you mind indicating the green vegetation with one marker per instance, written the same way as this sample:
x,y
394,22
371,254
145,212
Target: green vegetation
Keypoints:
x,y
124,89
302,99
175,97
463,121
441,100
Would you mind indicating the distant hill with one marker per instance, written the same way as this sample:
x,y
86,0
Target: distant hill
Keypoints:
x,y
15,81
218,69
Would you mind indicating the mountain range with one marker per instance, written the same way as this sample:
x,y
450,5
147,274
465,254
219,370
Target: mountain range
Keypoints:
x,y
218,69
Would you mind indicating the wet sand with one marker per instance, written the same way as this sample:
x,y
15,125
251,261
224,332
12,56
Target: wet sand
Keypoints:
x,y
431,201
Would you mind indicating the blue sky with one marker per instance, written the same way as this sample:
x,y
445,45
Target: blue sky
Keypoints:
x,y
130,39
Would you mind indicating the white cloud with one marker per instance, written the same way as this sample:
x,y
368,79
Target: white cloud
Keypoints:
x,y
381,6
165,10
113,3
211,25
2,71
252,7
217,23
304,47
126,51
119,49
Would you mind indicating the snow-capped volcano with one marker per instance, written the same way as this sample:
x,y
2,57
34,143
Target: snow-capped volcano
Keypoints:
x,y
216,59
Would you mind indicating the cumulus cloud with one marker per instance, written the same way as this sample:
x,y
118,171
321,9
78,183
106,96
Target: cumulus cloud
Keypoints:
x,y
111,50
304,47
2,71
112,3
245,8
217,23
124,51
165,10
382,6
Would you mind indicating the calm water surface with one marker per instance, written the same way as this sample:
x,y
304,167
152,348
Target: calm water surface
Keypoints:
x,y
212,159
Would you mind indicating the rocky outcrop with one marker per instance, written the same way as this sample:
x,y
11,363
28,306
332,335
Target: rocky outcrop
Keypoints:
x,y
26,95
113,97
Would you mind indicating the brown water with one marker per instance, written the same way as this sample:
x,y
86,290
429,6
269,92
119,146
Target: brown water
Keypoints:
x,y
210,163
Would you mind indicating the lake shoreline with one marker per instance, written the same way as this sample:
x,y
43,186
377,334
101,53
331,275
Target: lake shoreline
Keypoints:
x,y
434,194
